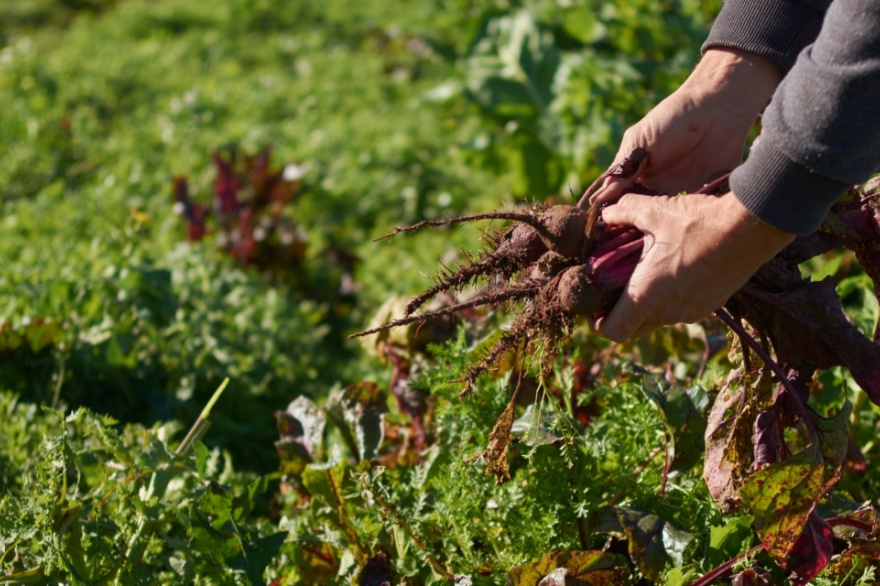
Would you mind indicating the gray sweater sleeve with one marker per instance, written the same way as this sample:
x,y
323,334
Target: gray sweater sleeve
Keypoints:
x,y
776,29
821,131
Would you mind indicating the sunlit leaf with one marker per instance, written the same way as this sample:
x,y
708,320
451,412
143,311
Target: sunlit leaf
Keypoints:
x,y
578,568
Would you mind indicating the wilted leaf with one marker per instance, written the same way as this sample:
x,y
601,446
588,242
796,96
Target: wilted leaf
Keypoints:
x,y
554,578
782,496
495,454
866,553
729,436
860,524
767,440
410,340
576,568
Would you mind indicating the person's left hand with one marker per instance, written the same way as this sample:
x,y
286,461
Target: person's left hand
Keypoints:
x,y
699,250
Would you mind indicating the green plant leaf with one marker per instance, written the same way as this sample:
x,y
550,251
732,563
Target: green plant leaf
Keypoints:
x,y
652,542
364,406
684,414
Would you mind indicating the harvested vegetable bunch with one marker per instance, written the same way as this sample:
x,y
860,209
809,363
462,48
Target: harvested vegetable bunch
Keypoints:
x,y
554,264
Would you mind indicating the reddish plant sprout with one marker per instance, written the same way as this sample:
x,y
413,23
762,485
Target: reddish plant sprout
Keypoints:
x,y
250,197
226,185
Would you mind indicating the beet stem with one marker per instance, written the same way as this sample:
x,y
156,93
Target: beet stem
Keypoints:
x,y
724,569
708,188
798,401
610,258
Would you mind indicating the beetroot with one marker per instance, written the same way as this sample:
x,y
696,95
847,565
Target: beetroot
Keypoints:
x,y
543,268
578,294
562,229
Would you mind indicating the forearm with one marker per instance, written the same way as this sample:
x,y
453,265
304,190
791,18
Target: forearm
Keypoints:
x,y
742,82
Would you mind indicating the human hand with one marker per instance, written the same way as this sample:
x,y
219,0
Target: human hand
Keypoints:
x,y
699,250
700,130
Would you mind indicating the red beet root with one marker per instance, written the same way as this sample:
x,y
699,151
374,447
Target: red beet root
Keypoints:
x,y
579,295
563,229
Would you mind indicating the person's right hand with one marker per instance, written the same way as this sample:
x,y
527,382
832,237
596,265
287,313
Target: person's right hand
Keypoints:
x,y
699,131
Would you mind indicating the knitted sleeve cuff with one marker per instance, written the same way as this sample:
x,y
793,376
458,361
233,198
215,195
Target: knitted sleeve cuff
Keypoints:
x,y
775,29
779,191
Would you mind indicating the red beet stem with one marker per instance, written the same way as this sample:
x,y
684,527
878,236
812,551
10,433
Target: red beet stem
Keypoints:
x,y
617,275
617,241
711,187
600,264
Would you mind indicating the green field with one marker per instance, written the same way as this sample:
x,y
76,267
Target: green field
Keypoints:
x,y
330,460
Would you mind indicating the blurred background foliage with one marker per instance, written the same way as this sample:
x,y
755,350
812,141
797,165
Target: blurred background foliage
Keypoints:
x,y
420,109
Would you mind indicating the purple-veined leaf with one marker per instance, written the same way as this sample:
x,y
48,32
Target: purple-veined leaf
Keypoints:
x,y
811,552
784,494
807,325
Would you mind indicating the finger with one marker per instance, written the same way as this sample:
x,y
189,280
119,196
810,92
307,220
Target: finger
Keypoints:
x,y
636,210
624,320
612,189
